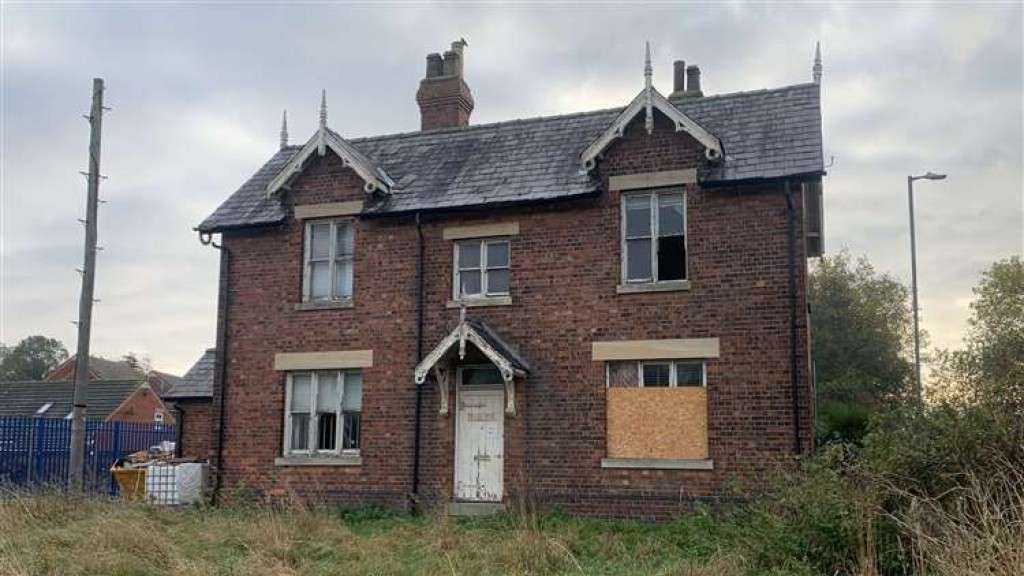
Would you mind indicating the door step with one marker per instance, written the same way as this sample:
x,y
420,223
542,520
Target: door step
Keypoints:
x,y
475,509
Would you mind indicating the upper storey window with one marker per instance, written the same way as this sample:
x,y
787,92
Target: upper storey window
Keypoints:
x,y
481,268
654,237
330,247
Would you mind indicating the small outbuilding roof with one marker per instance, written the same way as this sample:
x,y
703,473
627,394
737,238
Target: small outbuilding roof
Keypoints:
x,y
198,381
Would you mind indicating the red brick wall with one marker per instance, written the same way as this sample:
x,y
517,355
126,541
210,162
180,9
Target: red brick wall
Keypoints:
x,y
565,269
141,406
196,428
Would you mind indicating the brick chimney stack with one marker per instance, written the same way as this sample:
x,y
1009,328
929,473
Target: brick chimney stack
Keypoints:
x,y
678,79
444,98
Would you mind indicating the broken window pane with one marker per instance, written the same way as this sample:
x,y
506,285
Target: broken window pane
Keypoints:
x,y
470,282
350,432
320,241
497,254
638,216
327,431
638,260
670,214
469,254
671,258
656,374
689,373
497,281
320,280
622,375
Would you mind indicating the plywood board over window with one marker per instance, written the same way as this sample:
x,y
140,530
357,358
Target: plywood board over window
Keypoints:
x,y
658,423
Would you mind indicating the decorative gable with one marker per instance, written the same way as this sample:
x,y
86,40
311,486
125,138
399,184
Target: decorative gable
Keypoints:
x,y
326,139
648,100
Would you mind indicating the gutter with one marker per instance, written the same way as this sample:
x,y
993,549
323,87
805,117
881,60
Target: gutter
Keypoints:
x,y
220,365
419,357
794,376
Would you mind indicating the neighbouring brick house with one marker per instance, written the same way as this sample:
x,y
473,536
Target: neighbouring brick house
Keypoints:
x,y
107,400
127,368
190,400
603,310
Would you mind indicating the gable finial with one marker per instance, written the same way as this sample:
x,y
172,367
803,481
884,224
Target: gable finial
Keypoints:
x,y
816,70
323,108
284,130
648,72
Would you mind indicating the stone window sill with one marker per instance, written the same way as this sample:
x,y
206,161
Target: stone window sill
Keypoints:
x,y
343,460
657,464
667,286
329,305
475,302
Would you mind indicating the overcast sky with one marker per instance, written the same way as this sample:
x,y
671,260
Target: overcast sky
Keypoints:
x,y
197,93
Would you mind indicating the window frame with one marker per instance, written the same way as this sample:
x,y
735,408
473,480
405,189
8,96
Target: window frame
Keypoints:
x,y
332,259
653,194
673,377
483,267
312,433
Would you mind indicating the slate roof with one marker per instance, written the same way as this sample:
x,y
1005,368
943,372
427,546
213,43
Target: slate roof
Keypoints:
x,y
23,398
765,134
198,381
500,346
105,369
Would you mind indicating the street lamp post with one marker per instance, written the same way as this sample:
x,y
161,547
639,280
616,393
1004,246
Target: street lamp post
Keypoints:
x,y
913,279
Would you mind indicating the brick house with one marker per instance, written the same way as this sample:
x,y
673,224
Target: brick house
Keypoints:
x,y
190,401
603,310
108,400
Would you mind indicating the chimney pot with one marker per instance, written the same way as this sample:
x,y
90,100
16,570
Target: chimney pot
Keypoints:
x,y
678,78
693,80
444,99
435,66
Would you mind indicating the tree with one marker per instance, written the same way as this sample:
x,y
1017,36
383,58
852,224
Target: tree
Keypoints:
x,y
31,358
990,367
862,339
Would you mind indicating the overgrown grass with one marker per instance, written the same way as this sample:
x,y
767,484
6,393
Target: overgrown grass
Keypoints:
x,y
57,534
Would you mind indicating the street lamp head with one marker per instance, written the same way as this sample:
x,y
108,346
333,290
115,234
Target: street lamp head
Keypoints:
x,y
929,176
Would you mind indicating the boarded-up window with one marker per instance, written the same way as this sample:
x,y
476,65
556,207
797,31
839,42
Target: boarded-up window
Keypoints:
x,y
657,409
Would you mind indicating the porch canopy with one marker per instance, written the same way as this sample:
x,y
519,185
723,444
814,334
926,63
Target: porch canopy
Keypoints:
x,y
475,332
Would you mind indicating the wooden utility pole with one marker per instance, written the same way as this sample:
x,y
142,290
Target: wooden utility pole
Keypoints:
x,y
88,283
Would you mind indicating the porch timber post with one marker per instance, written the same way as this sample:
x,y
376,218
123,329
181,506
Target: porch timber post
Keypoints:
x,y
442,376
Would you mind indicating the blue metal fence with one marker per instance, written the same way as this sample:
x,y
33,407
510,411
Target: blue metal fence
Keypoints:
x,y
35,451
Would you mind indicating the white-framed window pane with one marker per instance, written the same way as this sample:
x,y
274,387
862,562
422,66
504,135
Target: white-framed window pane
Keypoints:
x,y
656,374
497,254
328,393
469,254
300,432
638,216
344,240
320,280
469,282
320,241
302,392
343,279
497,281
689,373
480,375
352,407
670,214
353,400
638,259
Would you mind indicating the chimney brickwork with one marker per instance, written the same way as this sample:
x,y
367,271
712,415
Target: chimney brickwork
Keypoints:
x,y
444,97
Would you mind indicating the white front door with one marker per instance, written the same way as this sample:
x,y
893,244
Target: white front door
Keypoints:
x,y
479,444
